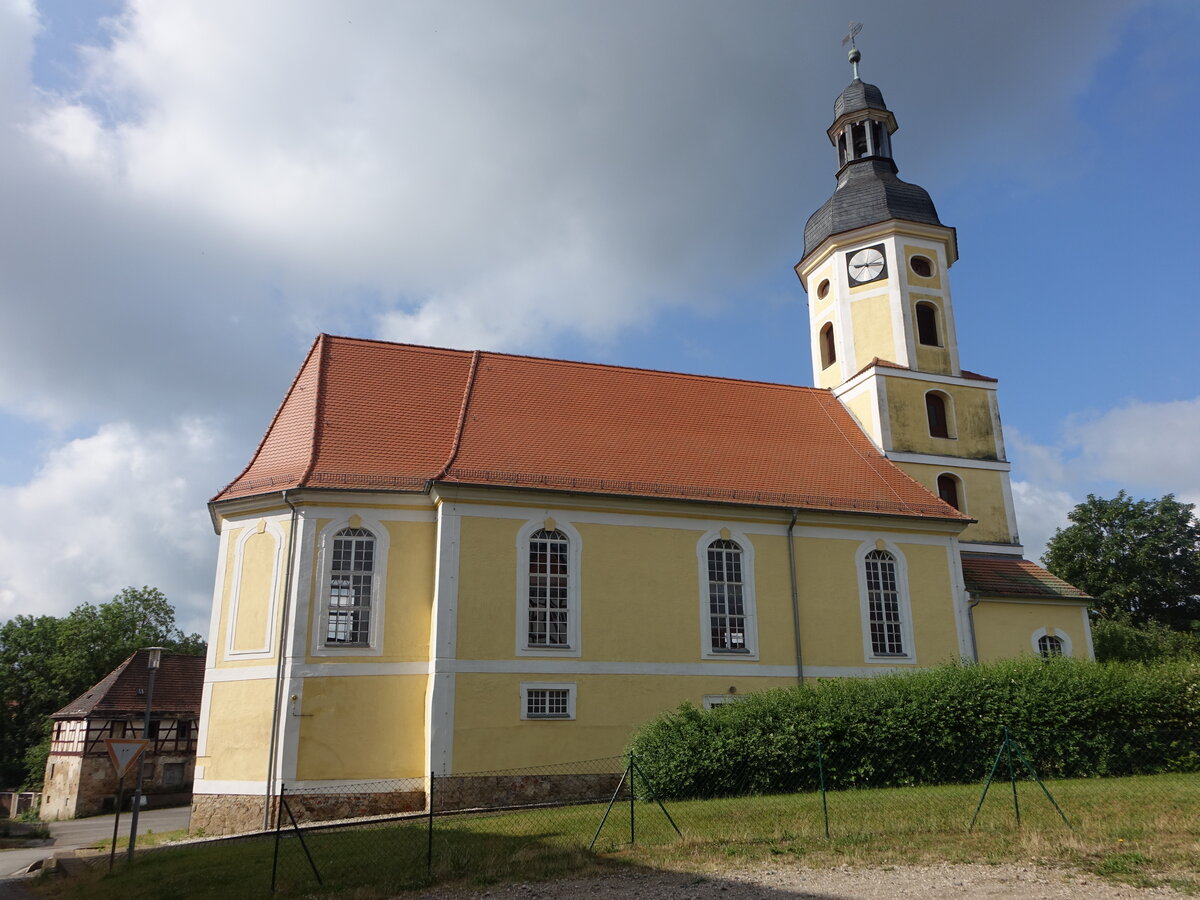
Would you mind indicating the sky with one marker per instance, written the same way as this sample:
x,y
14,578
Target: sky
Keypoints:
x,y
193,189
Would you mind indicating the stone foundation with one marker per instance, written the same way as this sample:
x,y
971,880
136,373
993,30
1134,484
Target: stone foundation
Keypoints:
x,y
236,813
214,814
453,792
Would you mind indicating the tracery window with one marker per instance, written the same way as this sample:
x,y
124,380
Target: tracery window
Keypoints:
x,y
351,583
726,596
548,597
883,604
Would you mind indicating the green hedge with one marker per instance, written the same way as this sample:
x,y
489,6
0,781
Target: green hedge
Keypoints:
x,y
933,726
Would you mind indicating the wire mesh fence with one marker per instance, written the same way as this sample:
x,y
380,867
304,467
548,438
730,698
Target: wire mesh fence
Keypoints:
x,y
547,819
542,821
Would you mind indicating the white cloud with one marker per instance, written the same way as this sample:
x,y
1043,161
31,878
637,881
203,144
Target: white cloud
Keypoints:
x,y
1150,447
1147,449
124,506
230,178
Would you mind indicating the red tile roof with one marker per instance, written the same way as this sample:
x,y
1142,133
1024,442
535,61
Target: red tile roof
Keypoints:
x,y
373,415
1006,576
177,689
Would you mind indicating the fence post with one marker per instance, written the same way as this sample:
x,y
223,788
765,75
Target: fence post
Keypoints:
x,y
278,833
429,836
1012,774
632,797
112,854
821,776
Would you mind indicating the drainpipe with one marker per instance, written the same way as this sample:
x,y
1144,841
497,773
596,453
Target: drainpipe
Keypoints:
x,y
973,602
795,598
276,712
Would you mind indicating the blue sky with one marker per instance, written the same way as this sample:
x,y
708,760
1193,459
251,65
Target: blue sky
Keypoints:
x,y
194,190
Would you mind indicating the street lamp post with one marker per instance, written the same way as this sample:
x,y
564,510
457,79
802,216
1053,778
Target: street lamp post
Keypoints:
x,y
152,662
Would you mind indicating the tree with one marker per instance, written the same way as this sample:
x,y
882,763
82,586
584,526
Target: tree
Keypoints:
x,y
46,662
1140,558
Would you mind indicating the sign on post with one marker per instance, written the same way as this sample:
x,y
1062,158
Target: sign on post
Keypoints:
x,y
124,752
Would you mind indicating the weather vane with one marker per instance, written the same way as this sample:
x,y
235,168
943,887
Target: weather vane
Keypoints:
x,y
855,56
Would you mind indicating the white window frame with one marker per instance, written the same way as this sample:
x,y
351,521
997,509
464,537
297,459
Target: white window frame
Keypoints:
x,y
574,556
909,656
320,620
1063,637
568,687
748,600
712,700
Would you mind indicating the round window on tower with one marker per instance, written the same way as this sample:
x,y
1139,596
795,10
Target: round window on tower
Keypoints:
x,y
921,265
823,289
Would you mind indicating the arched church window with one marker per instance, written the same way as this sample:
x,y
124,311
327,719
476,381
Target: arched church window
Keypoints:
x,y
935,410
828,346
726,604
548,595
351,581
948,489
883,603
1049,646
927,325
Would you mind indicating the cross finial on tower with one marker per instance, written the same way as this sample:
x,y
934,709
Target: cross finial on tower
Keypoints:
x,y
855,56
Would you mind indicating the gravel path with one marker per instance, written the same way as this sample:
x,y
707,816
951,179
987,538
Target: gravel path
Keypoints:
x,y
1000,882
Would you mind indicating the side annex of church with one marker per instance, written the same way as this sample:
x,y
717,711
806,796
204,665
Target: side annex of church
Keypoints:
x,y
456,562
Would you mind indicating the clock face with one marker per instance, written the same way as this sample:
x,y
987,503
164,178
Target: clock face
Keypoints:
x,y
867,264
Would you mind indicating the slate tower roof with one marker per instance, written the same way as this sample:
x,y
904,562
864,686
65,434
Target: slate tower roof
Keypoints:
x,y
868,189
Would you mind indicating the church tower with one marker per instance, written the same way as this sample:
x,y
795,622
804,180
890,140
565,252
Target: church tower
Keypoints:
x,y
876,268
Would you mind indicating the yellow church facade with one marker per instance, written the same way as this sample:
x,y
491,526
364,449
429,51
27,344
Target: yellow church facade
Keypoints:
x,y
454,562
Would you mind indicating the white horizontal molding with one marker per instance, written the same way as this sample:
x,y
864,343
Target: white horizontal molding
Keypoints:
x,y
213,786
1028,601
319,670
959,462
699,669
700,525
1017,550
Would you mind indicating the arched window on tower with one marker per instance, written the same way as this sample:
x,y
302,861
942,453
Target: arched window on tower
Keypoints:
x,y
948,489
927,325
828,346
936,409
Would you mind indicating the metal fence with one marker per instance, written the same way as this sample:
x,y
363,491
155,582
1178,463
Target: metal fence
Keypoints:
x,y
542,821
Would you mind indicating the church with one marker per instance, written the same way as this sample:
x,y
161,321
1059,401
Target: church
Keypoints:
x,y
455,562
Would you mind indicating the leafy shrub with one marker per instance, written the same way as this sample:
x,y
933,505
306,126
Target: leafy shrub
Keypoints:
x,y
933,726
1119,640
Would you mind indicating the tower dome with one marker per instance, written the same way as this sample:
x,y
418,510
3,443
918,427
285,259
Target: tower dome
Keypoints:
x,y
868,189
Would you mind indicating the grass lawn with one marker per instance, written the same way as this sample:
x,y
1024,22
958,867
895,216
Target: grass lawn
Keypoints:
x,y
1143,830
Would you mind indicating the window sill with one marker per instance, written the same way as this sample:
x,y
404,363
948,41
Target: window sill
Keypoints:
x,y
721,651
547,718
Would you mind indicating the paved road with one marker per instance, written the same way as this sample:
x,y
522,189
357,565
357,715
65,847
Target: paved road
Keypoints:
x,y
76,833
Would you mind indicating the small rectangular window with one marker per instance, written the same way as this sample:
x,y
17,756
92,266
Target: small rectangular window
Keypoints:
x,y
547,701
172,774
